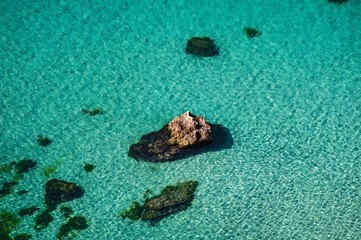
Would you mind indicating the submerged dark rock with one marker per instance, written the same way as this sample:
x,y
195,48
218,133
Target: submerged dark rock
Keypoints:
x,y
28,211
25,165
185,135
58,191
338,1
202,47
74,223
171,200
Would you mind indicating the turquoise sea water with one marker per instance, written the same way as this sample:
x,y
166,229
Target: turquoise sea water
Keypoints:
x,y
291,99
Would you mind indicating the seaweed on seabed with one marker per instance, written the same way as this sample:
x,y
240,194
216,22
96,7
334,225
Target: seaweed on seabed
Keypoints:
x,y
251,32
7,187
23,236
24,165
44,141
339,2
74,223
8,223
92,111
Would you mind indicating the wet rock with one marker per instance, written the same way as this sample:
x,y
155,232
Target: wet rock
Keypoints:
x,y
58,191
183,135
202,47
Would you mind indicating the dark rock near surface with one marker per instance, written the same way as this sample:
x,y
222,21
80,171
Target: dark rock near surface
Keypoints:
x,y
185,135
171,200
58,191
202,47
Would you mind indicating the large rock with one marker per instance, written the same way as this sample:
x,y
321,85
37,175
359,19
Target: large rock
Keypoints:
x,y
189,130
183,135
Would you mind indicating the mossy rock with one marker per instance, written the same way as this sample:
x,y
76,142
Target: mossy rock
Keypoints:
x,y
28,211
252,32
74,223
43,220
338,1
58,191
92,111
202,47
25,165
89,167
8,223
134,212
6,168
44,141
49,170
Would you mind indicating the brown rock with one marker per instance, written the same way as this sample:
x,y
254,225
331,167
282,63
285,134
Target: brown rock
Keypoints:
x,y
189,130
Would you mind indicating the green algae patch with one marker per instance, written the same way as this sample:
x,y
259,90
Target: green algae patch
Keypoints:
x,y
134,212
89,167
8,223
43,220
28,211
66,211
92,111
7,188
43,141
74,224
25,165
23,236
252,32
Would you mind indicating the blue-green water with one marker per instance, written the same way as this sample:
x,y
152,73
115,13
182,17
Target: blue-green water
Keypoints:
x,y
291,99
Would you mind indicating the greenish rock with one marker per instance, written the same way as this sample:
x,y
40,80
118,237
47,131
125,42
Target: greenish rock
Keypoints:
x,y
44,141
58,191
134,212
74,223
67,211
92,111
28,211
89,167
43,220
202,47
172,199
24,165
8,223
251,32
7,188
23,236
338,1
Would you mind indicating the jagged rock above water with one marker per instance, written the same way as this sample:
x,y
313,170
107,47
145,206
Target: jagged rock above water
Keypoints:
x,y
189,130
202,47
183,135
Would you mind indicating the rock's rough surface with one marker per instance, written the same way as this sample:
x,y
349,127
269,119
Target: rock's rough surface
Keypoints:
x,y
183,135
189,130
58,191
202,47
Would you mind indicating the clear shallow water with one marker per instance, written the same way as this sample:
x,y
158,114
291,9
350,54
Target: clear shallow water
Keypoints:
x,y
290,98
